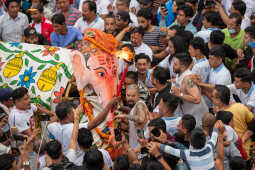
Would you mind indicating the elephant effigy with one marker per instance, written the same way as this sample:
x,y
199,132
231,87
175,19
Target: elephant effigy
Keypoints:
x,y
96,66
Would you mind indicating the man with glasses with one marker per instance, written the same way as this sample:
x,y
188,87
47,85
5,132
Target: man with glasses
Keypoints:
x,y
123,29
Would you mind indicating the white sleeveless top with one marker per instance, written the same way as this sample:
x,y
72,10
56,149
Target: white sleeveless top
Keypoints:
x,y
197,110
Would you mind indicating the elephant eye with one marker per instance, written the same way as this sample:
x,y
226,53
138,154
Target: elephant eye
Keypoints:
x,y
101,74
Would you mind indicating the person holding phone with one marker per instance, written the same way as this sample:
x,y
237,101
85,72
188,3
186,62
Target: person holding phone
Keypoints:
x,y
165,14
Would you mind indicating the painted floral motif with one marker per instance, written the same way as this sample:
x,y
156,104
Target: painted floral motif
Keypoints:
x,y
58,95
50,50
1,63
27,78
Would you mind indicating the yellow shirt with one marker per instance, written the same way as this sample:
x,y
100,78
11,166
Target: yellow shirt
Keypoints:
x,y
242,116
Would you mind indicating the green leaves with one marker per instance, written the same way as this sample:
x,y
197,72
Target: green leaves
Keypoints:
x,y
26,62
49,99
13,82
1,80
56,56
33,89
36,51
60,76
9,56
41,67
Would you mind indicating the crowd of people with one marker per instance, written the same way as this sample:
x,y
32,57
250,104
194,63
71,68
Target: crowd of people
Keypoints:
x,y
188,100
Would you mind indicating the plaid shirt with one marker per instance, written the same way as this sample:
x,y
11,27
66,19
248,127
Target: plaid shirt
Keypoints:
x,y
73,15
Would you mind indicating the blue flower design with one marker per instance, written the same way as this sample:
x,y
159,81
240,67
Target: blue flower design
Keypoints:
x,y
14,44
27,78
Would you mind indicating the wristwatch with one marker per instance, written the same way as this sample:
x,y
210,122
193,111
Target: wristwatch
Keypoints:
x,y
26,163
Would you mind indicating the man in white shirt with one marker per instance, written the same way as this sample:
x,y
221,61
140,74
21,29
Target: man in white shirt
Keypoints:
x,y
167,106
62,130
183,87
243,88
201,65
210,23
21,115
12,23
101,7
89,17
136,39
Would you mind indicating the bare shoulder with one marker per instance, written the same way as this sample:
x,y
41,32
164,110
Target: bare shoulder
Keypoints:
x,y
189,82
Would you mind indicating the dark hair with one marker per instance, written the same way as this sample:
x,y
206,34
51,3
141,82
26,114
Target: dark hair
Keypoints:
x,y
145,13
179,2
54,149
218,52
6,161
7,2
142,56
170,159
135,167
224,116
184,59
92,5
179,44
244,74
187,36
187,10
170,101
110,15
212,17
132,75
251,31
177,28
121,163
93,160
237,17
126,2
18,93
240,6
160,74
158,123
139,30
153,165
85,138
58,19
223,93
198,43
188,122
217,37
197,138
63,108
237,163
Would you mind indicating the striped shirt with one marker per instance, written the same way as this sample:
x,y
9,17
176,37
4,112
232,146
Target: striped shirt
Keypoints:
x,y
151,38
73,15
198,159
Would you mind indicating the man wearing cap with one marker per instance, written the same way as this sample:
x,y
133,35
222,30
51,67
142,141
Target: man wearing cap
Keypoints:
x,y
89,17
39,22
32,37
12,23
5,100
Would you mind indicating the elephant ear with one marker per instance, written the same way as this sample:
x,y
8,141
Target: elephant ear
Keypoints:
x,y
80,70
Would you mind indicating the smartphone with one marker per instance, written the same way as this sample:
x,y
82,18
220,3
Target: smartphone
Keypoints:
x,y
144,150
209,3
44,117
163,4
117,133
140,133
19,137
156,132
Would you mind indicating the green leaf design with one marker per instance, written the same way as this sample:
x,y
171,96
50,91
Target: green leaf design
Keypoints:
x,y
33,89
1,80
13,82
20,47
9,56
60,76
41,67
26,62
49,99
56,56
36,51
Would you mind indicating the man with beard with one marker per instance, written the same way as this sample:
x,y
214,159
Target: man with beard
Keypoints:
x,y
138,116
89,17
183,87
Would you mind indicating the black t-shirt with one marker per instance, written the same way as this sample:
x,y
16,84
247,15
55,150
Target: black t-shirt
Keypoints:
x,y
126,36
161,93
42,40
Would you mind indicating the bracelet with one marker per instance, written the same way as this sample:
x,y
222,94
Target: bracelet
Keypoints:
x,y
158,157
